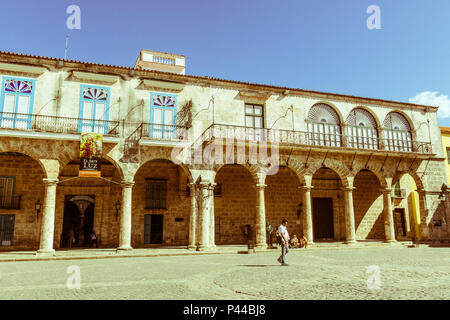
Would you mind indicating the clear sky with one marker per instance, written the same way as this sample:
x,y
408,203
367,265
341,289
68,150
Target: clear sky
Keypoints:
x,y
321,45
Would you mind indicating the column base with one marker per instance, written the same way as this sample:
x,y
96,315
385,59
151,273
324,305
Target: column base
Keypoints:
x,y
350,242
205,248
192,248
390,241
261,247
124,250
45,253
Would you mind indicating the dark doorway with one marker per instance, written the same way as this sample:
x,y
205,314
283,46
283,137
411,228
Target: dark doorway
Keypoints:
x,y
399,222
78,221
153,229
323,218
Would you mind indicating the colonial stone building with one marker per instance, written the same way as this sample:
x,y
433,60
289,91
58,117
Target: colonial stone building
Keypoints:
x,y
341,168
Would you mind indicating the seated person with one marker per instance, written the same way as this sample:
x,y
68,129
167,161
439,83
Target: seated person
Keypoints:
x,y
303,242
294,242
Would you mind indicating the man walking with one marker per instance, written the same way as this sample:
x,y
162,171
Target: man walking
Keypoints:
x,y
284,235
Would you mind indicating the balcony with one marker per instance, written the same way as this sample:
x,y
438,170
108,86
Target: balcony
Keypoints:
x,y
163,132
319,140
10,202
55,124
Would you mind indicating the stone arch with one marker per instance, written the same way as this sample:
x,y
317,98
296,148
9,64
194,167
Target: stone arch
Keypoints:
x,y
375,170
296,165
150,158
19,148
337,166
417,180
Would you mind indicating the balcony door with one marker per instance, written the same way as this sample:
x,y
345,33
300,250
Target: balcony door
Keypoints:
x,y
16,103
94,110
163,116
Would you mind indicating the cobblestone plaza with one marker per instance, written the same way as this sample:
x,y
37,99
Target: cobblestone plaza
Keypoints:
x,y
405,273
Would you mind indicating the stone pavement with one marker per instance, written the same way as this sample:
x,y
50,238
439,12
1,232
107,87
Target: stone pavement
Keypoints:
x,y
100,253
404,273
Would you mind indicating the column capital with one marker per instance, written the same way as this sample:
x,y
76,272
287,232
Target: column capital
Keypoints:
x,y
206,185
386,190
50,182
260,186
306,188
348,189
127,184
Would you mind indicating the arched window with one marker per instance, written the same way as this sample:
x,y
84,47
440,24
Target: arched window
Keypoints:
x,y
324,126
397,133
361,130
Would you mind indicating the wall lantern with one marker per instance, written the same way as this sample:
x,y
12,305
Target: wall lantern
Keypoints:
x,y
300,210
37,207
117,205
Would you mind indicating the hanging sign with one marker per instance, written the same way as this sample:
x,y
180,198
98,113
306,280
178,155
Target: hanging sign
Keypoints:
x,y
90,155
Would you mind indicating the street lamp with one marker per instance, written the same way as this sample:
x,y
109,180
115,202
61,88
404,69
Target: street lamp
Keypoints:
x,y
37,207
117,205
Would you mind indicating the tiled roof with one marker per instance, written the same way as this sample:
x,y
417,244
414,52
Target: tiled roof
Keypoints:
x,y
257,86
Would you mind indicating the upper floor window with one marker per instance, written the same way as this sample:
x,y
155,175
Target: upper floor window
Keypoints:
x,y
163,111
361,130
16,103
397,133
254,121
324,126
94,109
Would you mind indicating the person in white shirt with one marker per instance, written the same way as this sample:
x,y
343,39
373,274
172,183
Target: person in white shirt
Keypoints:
x,y
284,235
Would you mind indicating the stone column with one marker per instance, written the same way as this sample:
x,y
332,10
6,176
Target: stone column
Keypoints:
x,y
307,221
388,216
260,226
349,216
125,218
193,220
212,226
48,219
204,194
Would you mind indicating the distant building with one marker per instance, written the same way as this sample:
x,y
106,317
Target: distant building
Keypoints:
x,y
350,168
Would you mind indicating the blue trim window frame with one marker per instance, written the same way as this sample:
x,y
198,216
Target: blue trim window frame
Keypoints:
x,y
163,115
94,109
16,103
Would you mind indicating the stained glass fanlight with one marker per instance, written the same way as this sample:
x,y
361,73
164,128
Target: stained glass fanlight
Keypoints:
x,y
95,94
323,113
163,101
18,86
361,117
396,121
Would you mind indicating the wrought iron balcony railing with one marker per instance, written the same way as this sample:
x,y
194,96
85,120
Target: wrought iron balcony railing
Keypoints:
x,y
155,131
55,124
10,202
301,138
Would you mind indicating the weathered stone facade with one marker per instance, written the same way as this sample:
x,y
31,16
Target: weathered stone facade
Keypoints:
x,y
359,183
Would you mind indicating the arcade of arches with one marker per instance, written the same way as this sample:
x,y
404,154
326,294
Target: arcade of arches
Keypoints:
x,y
162,203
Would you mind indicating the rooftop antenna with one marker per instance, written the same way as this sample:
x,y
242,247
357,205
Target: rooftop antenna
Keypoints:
x,y
67,45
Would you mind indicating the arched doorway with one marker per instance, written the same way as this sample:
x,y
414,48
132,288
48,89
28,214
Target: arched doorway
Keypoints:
x,y
327,205
78,220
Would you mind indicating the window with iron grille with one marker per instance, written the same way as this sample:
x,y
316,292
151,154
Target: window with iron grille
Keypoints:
x,y
7,229
254,121
448,155
156,194
6,191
